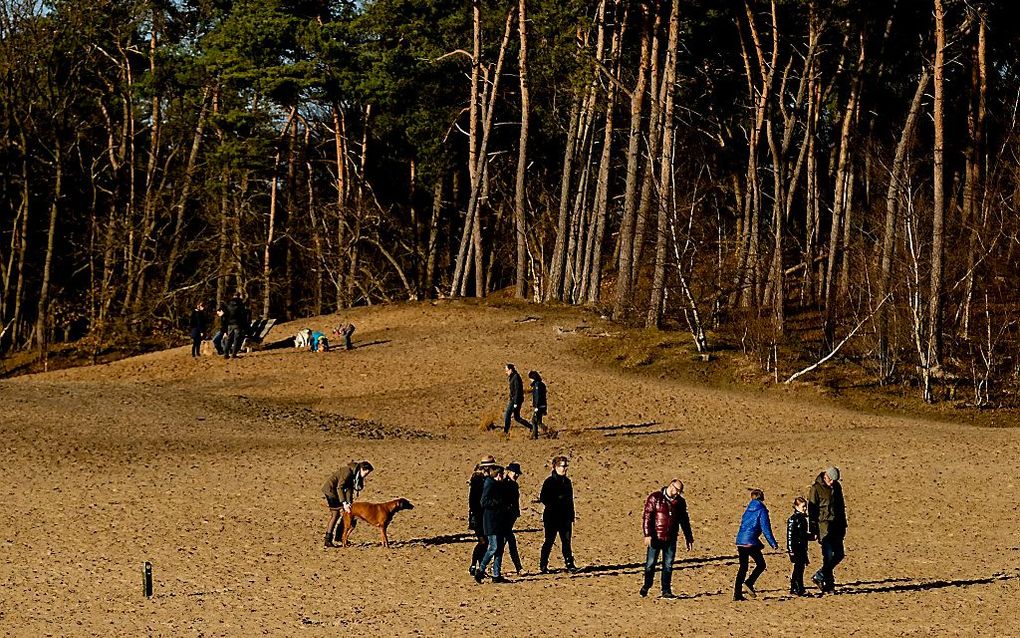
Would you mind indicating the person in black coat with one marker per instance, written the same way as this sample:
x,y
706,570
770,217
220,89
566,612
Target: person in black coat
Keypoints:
x,y
197,325
494,520
221,332
558,518
797,537
238,322
476,512
538,402
512,496
513,406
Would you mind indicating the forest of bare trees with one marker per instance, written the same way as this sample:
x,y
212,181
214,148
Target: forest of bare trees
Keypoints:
x,y
824,178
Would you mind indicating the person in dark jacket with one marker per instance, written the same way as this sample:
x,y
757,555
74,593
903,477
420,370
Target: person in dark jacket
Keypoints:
x,y
238,322
513,406
558,518
512,494
197,325
827,519
340,490
494,521
664,516
475,511
753,524
538,402
797,544
221,332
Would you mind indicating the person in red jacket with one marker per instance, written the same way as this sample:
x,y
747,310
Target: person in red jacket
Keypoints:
x,y
665,515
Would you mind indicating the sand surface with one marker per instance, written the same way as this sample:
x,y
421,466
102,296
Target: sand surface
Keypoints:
x,y
211,470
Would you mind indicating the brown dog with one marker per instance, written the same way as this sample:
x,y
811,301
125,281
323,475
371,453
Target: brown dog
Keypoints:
x,y
377,514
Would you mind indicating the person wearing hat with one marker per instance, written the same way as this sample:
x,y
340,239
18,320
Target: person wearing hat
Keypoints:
x,y
494,508
476,484
340,490
513,406
512,497
827,523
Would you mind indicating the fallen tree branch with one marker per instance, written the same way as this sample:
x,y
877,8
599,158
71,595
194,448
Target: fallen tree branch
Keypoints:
x,y
840,345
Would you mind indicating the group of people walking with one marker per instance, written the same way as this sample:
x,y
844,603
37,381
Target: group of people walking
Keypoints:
x,y
516,401
494,507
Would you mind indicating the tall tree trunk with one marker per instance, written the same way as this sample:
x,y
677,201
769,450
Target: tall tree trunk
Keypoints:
x,y
271,230
520,196
342,186
935,301
974,199
630,191
433,245
42,320
654,317
894,195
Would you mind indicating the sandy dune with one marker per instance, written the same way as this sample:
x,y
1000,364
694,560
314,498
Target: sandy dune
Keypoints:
x,y
211,471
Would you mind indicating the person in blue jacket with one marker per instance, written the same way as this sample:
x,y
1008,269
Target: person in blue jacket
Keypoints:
x,y
753,524
318,342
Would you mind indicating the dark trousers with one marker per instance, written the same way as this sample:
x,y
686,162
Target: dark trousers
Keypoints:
x,y
553,529
668,551
232,344
515,412
196,343
797,576
347,338
511,548
536,421
743,554
480,546
832,555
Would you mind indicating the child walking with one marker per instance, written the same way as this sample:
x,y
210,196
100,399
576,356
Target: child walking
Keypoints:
x,y
797,544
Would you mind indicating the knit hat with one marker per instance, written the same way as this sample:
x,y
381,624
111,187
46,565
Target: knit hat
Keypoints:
x,y
832,473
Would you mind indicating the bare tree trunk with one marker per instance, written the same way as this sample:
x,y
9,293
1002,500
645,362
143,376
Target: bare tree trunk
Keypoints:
x,y
42,322
22,242
317,230
893,196
630,193
342,186
182,200
433,245
665,172
935,302
974,199
559,256
270,233
520,195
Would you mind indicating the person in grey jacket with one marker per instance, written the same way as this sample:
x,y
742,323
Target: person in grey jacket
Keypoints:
x,y
827,521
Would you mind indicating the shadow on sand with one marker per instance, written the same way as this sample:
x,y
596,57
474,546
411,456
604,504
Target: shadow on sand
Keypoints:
x,y
593,571
892,585
449,539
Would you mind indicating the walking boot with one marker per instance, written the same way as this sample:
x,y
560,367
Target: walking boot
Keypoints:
x,y
329,541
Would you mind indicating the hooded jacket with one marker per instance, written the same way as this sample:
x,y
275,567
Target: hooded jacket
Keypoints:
x,y
826,509
664,517
753,524
345,483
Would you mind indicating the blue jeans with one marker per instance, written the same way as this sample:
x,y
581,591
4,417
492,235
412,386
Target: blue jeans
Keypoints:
x,y
494,553
668,550
832,555
217,341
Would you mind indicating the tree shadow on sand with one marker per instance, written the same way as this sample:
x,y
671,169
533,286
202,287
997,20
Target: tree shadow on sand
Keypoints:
x,y
893,585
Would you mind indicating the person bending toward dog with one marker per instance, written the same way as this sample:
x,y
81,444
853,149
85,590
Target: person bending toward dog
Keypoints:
x,y
476,512
340,490
665,514
558,518
495,517
345,330
513,406
753,523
